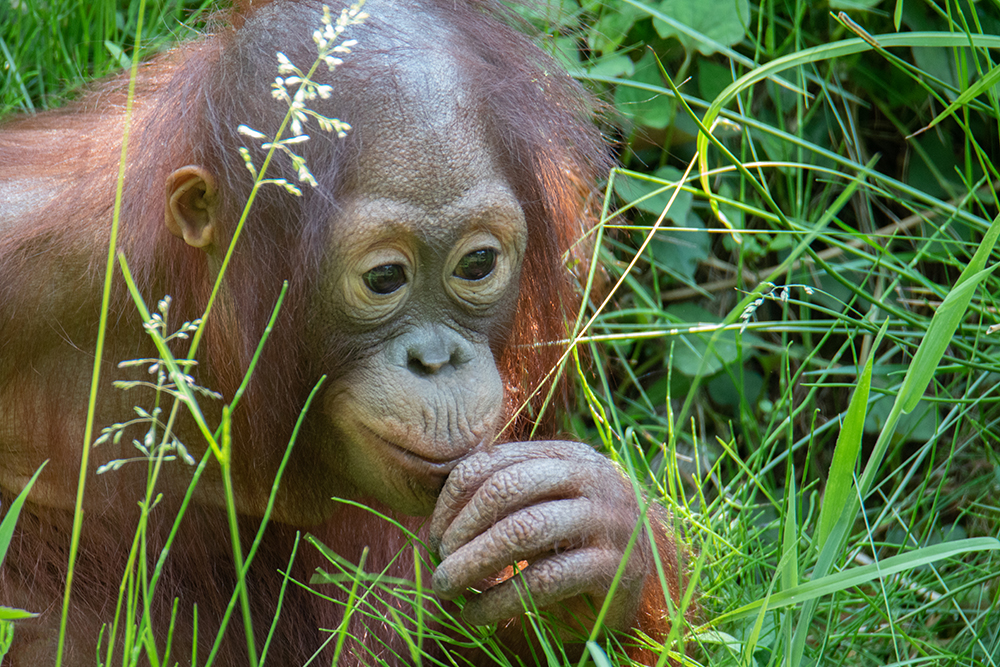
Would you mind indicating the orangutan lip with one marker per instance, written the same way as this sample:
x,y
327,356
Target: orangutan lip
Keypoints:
x,y
415,461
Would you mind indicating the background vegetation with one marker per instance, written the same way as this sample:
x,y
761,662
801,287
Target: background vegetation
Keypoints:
x,y
828,233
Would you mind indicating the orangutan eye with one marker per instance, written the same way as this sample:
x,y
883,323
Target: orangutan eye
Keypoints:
x,y
477,264
385,279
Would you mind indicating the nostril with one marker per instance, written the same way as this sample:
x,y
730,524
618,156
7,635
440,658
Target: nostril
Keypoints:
x,y
422,367
434,353
427,359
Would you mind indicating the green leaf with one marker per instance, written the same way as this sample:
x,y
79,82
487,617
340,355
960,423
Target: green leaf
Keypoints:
x,y
706,353
609,31
123,60
8,614
945,322
969,94
612,66
641,193
10,519
598,655
566,51
642,106
729,388
854,5
917,426
721,21
789,563
11,614
712,79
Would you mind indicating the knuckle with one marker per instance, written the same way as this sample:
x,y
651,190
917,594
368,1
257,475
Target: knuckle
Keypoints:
x,y
503,486
469,470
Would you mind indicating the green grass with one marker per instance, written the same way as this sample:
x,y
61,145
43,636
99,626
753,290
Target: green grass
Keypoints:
x,y
753,364
51,48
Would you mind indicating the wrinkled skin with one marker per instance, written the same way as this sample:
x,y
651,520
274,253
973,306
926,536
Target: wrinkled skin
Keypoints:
x,y
558,505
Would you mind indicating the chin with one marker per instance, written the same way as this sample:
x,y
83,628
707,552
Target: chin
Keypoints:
x,y
412,502
403,483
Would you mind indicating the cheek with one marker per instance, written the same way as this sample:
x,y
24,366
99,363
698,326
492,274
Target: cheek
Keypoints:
x,y
438,416
401,429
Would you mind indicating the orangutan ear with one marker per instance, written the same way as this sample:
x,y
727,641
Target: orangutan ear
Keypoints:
x,y
191,205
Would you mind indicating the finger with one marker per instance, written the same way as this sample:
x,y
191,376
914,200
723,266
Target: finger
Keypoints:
x,y
520,536
544,583
509,490
469,475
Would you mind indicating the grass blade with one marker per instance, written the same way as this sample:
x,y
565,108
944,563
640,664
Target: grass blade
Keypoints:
x,y
840,484
858,576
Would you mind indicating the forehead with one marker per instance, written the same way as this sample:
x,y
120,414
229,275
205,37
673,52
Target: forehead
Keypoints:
x,y
425,161
423,138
